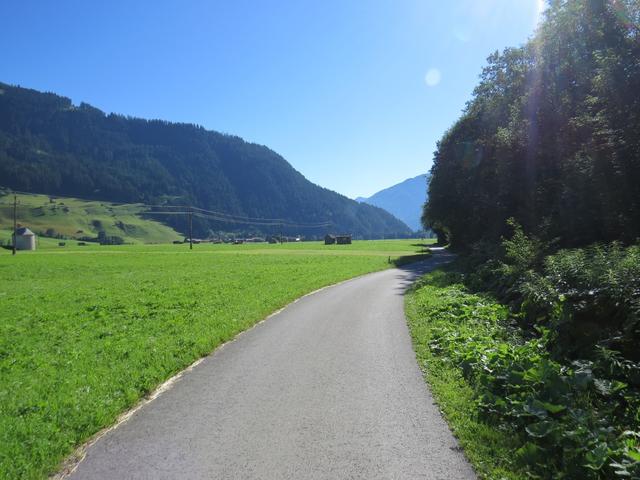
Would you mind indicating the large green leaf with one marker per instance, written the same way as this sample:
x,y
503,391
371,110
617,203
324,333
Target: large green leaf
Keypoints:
x,y
597,456
540,429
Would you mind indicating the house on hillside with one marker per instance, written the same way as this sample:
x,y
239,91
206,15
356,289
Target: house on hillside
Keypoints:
x,y
24,239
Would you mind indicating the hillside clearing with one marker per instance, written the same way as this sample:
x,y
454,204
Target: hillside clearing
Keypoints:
x,y
75,218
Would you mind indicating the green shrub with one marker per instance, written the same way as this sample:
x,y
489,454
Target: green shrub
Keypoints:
x,y
588,296
574,419
598,289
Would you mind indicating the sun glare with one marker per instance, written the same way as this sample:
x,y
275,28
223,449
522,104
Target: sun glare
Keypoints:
x,y
433,76
540,6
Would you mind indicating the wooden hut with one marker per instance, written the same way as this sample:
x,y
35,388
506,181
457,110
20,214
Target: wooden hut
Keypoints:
x,y
343,239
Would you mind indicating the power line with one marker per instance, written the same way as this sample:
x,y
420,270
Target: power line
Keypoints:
x,y
164,213
197,211
245,222
232,218
239,216
278,221
266,223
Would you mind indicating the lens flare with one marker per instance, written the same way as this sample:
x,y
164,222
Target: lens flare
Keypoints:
x,y
432,78
624,17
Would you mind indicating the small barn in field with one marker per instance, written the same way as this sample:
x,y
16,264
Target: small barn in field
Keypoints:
x,y
343,239
24,239
337,239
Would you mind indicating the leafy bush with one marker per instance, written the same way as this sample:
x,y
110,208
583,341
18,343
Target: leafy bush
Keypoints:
x,y
572,419
588,296
598,290
105,239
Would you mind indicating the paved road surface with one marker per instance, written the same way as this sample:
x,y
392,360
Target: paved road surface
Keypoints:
x,y
329,388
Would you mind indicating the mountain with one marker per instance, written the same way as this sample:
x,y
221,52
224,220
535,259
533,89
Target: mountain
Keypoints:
x,y
48,145
404,200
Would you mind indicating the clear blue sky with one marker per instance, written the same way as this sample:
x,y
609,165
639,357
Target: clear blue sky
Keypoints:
x,y
354,94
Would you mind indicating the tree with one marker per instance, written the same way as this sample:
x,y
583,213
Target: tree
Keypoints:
x,y
551,136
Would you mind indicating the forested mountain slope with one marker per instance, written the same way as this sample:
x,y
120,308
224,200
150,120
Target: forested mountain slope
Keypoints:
x,y
48,145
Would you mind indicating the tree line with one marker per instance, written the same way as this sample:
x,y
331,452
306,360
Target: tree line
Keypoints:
x,y
551,136
538,185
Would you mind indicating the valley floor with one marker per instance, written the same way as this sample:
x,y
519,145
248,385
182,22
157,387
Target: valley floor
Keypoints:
x,y
327,388
88,331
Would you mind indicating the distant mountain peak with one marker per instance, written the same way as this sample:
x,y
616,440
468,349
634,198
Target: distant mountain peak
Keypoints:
x,y
404,200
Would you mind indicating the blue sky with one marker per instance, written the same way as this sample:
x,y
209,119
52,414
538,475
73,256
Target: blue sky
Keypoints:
x,y
354,94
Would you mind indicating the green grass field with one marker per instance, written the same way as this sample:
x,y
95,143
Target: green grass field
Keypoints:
x,y
75,218
86,332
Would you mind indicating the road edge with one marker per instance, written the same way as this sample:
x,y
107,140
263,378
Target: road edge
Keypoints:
x,y
73,460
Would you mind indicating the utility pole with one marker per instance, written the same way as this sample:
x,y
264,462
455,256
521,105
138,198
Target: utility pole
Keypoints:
x,y
190,228
15,223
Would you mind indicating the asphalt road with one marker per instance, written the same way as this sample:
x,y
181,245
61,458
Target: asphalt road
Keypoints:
x,y
328,388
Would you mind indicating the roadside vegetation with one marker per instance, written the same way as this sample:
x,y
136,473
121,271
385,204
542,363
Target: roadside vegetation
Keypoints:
x,y
445,319
534,358
86,332
537,187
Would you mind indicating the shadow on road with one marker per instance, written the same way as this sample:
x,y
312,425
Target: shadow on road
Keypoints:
x,y
409,272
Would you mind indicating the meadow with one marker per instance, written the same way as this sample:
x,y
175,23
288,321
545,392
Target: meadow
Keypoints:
x,y
87,332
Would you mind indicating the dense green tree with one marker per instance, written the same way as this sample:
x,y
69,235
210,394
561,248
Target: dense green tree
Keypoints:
x,y
551,136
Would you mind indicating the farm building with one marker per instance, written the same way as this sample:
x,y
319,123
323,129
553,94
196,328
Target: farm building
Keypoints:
x,y
339,239
24,239
343,239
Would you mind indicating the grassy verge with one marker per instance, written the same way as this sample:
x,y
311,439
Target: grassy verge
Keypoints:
x,y
85,332
436,307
